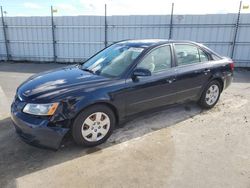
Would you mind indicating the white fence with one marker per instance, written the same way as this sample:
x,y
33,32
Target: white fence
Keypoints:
x,y
79,37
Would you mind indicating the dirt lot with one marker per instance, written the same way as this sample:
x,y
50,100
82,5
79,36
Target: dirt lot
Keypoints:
x,y
181,146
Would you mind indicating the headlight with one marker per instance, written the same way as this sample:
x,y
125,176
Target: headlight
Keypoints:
x,y
41,109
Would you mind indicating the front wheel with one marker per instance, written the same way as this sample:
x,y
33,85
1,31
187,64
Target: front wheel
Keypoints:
x,y
93,125
210,95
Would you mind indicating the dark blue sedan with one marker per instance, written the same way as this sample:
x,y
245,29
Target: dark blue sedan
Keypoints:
x,y
90,99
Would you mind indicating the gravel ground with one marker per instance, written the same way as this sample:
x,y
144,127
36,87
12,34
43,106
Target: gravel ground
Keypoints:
x,y
181,146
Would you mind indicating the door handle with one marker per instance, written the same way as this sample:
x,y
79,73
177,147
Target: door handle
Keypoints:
x,y
170,80
206,71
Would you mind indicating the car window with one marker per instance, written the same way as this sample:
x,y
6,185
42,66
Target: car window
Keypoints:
x,y
186,54
212,54
157,60
215,57
203,56
112,61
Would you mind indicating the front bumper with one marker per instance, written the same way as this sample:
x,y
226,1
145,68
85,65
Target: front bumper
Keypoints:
x,y
37,131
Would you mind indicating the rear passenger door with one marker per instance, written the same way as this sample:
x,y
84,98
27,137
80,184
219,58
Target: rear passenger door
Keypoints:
x,y
193,70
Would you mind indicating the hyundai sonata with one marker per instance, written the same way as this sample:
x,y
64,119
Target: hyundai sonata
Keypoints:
x,y
88,100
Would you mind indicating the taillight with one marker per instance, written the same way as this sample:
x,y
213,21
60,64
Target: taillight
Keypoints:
x,y
231,64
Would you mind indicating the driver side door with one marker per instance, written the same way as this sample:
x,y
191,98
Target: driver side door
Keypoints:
x,y
147,92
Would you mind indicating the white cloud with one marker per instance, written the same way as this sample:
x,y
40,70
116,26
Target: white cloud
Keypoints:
x,y
149,7
139,7
30,5
93,6
66,9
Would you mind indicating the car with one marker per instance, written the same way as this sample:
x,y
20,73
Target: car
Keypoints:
x,y
90,99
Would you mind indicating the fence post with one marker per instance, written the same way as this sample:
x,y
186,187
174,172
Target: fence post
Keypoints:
x,y
105,28
53,35
5,35
171,22
236,31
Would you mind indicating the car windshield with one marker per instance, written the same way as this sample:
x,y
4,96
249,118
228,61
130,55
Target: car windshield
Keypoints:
x,y
112,61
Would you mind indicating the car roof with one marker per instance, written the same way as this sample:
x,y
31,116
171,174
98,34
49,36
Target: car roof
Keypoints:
x,y
145,43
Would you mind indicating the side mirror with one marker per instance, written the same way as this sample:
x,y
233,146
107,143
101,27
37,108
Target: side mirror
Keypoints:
x,y
141,72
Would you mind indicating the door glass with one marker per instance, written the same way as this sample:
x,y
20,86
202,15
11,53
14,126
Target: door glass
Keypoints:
x,y
186,54
157,60
203,56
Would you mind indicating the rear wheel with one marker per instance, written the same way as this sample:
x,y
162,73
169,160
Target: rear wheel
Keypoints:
x,y
210,95
93,125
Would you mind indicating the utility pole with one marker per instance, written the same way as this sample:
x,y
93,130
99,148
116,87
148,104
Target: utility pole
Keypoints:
x,y
171,22
105,28
236,31
5,35
53,34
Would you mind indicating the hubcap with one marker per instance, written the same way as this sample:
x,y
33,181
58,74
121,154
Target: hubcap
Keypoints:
x,y
95,126
212,94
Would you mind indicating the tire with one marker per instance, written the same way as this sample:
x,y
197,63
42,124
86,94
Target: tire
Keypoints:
x,y
93,126
207,101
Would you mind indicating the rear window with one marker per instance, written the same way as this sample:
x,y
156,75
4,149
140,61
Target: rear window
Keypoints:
x,y
213,54
186,54
215,57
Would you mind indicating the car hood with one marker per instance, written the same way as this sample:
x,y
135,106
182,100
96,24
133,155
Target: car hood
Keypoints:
x,y
49,85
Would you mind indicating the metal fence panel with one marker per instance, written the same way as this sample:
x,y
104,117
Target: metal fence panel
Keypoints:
x,y
137,27
2,45
29,38
215,31
79,37
242,48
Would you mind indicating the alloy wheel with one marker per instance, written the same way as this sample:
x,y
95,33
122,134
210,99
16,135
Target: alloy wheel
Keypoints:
x,y
212,94
95,126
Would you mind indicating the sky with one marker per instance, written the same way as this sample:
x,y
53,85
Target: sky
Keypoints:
x,y
119,7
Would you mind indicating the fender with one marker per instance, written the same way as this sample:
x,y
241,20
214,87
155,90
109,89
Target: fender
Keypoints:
x,y
70,108
216,76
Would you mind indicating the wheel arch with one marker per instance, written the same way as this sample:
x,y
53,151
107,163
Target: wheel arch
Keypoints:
x,y
201,100
220,80
105,103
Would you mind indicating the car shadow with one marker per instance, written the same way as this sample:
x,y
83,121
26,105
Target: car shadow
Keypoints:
x,y
18,158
